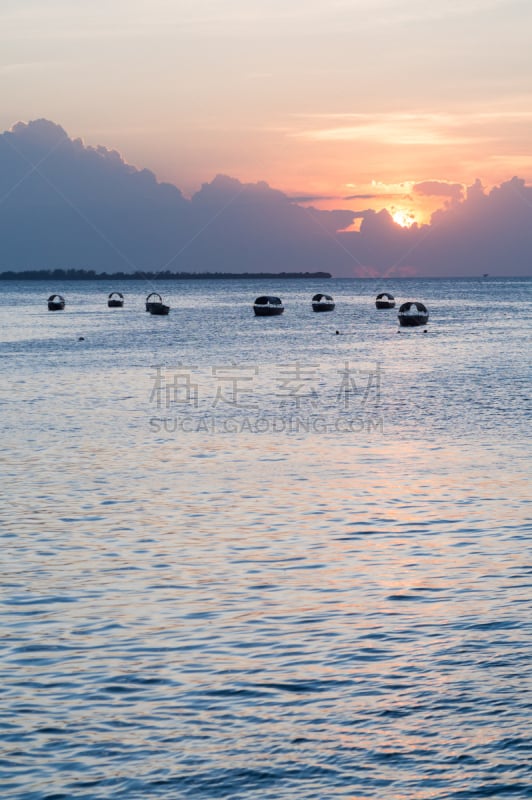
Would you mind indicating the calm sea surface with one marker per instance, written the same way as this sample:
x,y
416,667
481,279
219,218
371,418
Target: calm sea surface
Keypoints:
x,y
252,558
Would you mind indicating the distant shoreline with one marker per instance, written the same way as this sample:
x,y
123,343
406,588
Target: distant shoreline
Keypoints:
x,y
91,275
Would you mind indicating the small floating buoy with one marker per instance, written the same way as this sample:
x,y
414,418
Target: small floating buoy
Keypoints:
x,y
338,333
81,338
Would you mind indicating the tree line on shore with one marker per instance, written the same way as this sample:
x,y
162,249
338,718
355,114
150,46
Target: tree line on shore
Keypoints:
x,y
166,275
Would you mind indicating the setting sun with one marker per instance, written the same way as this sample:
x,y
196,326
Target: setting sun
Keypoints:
x,y
403,218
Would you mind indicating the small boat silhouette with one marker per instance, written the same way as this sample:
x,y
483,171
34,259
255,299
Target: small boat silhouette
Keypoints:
x,y
159,309
412,313
56,302
385,300
115,300
153,299
322,302
155,305
266,306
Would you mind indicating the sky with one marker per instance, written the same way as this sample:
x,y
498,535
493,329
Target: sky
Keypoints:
x,y
351,104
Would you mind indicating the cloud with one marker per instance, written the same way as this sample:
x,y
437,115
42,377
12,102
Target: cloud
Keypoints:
x,y
362,196
383,196
395,128
485,232
440,189
500,131
312,198
26,66
64,205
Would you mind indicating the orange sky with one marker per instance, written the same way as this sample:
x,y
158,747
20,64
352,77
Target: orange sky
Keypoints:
x,y
331,99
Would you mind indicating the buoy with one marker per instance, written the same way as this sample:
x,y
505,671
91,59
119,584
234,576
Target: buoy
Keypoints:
x,y
81,339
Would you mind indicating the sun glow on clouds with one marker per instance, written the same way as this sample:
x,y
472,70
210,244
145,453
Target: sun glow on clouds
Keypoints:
x,y
292,115
396,198
403,218
383,188
453,146
405,205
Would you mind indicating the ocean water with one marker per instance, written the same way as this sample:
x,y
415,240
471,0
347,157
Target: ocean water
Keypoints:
x,y
256,558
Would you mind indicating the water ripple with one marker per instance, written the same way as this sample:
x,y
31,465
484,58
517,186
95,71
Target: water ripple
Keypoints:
x,y
282,616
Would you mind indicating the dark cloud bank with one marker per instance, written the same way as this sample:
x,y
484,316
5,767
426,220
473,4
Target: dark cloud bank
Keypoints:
x,y
64,205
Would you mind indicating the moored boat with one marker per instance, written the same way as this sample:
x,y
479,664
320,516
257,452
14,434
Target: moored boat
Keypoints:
x,y
153,299
413,313
115,300
322,302
159,309
267,306
385,300
56,302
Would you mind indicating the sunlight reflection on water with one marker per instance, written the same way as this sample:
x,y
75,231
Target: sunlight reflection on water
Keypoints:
x,y
267,615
